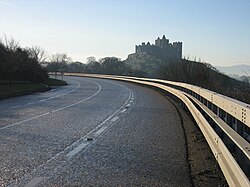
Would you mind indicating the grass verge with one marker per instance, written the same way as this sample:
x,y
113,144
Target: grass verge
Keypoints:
x,y
25,88
55,82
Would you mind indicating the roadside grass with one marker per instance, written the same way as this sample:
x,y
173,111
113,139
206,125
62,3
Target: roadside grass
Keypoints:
x,y
55,82
18,88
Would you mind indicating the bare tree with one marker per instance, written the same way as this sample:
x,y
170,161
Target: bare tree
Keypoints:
x,y
60,58
37,53
58,63
10,44
10,64
91,59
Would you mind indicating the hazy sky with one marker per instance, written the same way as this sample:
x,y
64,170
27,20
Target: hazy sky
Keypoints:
x,y
217,31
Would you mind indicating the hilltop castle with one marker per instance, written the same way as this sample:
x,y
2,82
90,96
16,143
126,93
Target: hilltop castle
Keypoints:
x,y
162,48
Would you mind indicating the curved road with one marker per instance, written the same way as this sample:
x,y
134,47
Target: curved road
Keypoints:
x,y
92,132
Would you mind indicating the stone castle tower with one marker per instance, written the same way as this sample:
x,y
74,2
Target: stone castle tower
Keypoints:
x,y
162,48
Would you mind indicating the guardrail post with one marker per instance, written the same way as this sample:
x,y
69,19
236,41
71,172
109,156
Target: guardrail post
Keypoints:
x,y
230,120
214,108
240,125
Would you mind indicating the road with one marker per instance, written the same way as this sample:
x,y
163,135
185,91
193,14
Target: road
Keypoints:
x,y
92,132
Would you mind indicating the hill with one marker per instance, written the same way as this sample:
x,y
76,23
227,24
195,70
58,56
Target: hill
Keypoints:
x,y
191,72
144,65
241,69
180,70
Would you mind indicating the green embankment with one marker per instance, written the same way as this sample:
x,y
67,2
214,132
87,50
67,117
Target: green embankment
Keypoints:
x,y
24,88
55,82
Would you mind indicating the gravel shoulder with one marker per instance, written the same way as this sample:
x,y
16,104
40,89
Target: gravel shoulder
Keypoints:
x,y
204,169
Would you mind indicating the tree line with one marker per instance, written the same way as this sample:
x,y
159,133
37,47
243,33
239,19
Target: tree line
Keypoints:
x,y
22,64
107,65
32,64
205,76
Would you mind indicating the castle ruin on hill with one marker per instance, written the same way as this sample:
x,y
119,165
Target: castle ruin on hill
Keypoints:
x,y
162,48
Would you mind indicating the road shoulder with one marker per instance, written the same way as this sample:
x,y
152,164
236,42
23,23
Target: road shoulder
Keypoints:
x,y
204,169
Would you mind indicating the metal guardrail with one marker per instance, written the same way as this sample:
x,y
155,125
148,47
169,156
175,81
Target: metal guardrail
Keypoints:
x,y
211,112
238,109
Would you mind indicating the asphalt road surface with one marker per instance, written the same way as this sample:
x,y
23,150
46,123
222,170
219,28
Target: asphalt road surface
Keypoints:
x,y
92,132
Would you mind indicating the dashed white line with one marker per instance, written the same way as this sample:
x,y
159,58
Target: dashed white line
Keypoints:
x,y
100,131
97,133
107,119
124,110
77,150
128,105
81,146
115,119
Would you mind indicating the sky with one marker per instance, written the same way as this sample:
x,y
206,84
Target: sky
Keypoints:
x,y
215,31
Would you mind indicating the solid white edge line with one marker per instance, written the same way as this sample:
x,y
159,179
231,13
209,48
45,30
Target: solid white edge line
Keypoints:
x,y
53,111
20,122
49,98
82,138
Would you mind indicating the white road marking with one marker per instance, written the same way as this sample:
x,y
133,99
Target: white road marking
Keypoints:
x,y
53,111
93,130
35,117
115,119
124,110
84,137
34,182
100,131
14,107
89,133
49,98
59,95
77,150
